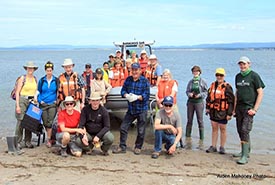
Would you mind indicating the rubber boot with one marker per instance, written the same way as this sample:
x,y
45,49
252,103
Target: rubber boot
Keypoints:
x,y
188,143
240,153
13,146
245,149
201,146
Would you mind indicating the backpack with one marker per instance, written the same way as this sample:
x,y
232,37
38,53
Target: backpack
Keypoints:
x,y
13,95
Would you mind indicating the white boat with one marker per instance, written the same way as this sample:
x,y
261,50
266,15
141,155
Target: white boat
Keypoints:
x,y
117,105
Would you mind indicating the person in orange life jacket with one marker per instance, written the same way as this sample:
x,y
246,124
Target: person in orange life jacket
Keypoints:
x,y
143,61
116,75
111,60
88,76
154,71
196,91
128,68
118,58
219,106
166,87
99,85
25,92
105,69
68,121
47,98
71,84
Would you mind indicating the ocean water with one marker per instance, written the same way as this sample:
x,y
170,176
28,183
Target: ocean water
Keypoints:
x,y
179,61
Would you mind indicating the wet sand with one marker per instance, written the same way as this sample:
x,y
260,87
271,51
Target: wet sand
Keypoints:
x,y
42,165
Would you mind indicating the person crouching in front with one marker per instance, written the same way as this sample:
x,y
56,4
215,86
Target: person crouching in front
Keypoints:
x,y
168,128
68,120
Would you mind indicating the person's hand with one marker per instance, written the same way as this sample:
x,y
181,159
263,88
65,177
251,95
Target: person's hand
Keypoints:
x,y
172,149
131,97
18,110
251,112
191,95
228,117
173,130
96,139
81,131
82,106
85,140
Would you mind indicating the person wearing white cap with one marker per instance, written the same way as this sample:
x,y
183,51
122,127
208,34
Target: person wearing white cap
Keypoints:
x,y
249,95
143,61
154,71
25,92
71,84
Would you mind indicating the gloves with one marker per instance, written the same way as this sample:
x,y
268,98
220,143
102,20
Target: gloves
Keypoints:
x,y
131,97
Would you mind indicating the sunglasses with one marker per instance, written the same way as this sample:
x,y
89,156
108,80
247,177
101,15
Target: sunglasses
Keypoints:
x,y
168,105
220,75
49,65
71,103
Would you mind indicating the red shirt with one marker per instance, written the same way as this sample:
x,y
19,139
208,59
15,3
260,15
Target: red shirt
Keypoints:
x,y
70,121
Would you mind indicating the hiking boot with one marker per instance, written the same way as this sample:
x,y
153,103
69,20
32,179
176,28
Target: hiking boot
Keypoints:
x,y
119,150
63,152
29,145
155,155
137,151
222,150
105,153
211,149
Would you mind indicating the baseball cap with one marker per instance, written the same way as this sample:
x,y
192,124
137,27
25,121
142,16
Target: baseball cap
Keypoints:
x,y
168,100
244,59
135,66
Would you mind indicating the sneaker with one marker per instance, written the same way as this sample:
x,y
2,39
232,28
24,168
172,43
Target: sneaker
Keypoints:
x,y
29,145
119,150
222,150
155,155
211,149
137,151
63,152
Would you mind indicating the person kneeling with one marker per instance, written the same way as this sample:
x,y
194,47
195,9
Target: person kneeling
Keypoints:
x,y
168,128
68,120
95,121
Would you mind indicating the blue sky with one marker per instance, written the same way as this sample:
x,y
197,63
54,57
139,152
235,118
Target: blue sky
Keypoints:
x,y
174,22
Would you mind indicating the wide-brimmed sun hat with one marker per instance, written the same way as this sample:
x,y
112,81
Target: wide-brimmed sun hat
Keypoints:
x,y
30,64
153,57
69,99
95,96
244,59
67,62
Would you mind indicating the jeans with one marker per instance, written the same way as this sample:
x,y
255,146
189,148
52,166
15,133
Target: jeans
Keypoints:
x,y
141,126
162,137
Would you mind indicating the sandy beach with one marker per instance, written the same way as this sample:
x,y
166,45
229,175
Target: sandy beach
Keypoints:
x,y
42,165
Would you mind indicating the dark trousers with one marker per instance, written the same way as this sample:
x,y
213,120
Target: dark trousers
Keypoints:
x,y
191,109
141,126
244,124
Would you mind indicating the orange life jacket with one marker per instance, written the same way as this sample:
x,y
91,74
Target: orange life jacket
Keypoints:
x,y
143,65
118,77
165,89
217,96
127,72
69,88
150,75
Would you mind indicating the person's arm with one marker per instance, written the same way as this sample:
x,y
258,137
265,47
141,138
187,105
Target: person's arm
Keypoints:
x,y
258,102
105,122
230,99
17,93
108,87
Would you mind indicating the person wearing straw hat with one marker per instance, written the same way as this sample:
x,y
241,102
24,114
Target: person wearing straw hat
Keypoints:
x,y
67,121
71,84
249,95
25,92
95,121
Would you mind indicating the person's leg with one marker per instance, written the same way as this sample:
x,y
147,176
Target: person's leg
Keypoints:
x,y
239,120
168,140
158,140
190,115
215,130
107,140
199,108
141,127
127,121
51,115
223,134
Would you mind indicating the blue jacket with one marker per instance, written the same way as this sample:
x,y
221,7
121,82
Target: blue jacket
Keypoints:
x,y
47,93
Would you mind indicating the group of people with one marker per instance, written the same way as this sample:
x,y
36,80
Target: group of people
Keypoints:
x,y
84,123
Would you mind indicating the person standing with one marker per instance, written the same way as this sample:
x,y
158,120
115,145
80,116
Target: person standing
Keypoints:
x,y
196,92
94,119
136,89
219,106
47,98
249,95
168,128
71,84
153,71
88,76
25,93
